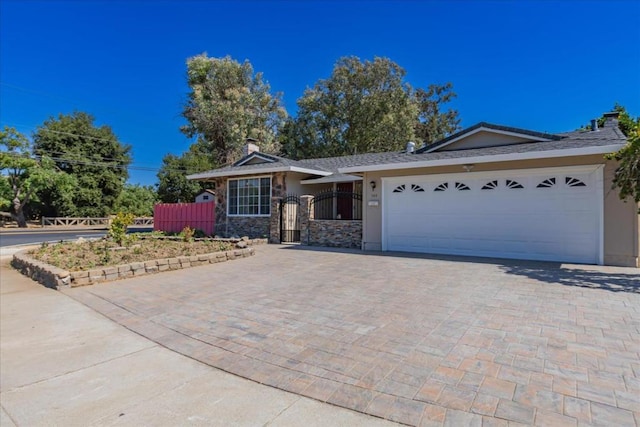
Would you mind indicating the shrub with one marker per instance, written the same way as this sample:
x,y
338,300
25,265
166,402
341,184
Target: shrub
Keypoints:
x,y
187,234
118,227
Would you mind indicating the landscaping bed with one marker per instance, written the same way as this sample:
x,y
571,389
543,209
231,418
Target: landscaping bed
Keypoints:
x,y
88,254
85,262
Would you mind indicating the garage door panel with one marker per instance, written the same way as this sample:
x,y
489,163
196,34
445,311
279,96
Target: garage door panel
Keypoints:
x,y
556,222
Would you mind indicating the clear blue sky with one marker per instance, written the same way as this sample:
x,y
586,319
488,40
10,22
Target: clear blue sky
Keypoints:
x,y
542,65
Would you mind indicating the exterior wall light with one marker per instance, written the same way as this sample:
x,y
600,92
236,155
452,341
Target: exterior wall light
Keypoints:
x,y
373,185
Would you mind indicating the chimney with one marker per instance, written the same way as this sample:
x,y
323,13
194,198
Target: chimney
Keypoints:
x,y
594,124
250,147
411,147
611,119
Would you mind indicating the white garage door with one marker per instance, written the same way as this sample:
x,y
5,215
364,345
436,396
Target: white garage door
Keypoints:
x,y
539,214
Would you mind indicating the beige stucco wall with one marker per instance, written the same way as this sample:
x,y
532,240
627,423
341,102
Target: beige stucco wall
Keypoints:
x,y
621,220
621,225
484,139
293,183
295,187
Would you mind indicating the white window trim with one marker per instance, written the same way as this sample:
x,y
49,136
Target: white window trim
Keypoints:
x,y
251,215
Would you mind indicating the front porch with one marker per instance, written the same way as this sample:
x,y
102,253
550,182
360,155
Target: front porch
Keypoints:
x,y
329,218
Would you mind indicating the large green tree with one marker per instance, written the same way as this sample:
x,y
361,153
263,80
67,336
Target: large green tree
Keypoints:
x,y
92,154
173,185
434,123
627,174
22,175
366,106
137,200
228,102
362,107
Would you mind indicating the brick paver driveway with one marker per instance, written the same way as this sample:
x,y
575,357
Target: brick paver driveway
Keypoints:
x,y
418,340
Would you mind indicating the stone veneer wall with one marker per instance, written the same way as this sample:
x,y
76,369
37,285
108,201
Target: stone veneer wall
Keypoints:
x,y
274,220
322,232
250,226
220,185
334,233
246,226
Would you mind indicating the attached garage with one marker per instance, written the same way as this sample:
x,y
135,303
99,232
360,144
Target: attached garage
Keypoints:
x,y
552,214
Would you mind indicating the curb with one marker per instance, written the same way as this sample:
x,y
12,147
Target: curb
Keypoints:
x,y
7,251
56,278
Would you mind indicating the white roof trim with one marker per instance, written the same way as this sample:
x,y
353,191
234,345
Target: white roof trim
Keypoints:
x,y
486,129
219,174
585,151
253,156
331,178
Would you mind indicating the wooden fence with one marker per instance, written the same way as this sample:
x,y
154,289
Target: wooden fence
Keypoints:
x,y
90,222
174,217
143,221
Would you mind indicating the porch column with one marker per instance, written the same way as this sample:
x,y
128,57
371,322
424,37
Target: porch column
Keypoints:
x,y
306,216
274,220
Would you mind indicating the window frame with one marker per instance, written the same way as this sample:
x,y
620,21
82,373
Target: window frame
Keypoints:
x,y
260,196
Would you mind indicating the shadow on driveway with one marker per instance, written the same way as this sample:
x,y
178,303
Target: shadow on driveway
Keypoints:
x,y
591,276
615,282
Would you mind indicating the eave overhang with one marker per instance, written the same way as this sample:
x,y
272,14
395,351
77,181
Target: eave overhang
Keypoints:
x,y
331,179
531,155
219,174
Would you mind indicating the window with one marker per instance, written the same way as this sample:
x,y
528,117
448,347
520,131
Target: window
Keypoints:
x,y
205,197
547,183
491,185
249,197
442,187
574,182
513,184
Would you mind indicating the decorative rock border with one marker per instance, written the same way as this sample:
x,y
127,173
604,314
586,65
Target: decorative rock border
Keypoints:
x,y
56,278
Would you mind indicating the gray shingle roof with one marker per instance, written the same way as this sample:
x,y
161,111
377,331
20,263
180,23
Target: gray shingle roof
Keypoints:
x,y
539,135
562,141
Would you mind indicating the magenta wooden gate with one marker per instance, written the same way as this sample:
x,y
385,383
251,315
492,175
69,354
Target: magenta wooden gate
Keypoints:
x,y
174,217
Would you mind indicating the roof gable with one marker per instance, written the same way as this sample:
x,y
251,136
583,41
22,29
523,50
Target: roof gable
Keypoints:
x,y
256,158
484,135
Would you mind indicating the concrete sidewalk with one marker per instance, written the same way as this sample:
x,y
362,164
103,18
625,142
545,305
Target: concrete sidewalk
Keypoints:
x,y
61,363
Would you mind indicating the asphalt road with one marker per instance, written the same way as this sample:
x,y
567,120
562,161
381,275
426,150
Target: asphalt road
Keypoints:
x,y
29,237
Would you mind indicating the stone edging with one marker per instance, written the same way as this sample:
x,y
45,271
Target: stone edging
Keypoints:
x,y
56,278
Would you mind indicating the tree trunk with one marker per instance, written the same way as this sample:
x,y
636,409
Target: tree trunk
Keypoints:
x,y
20,219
